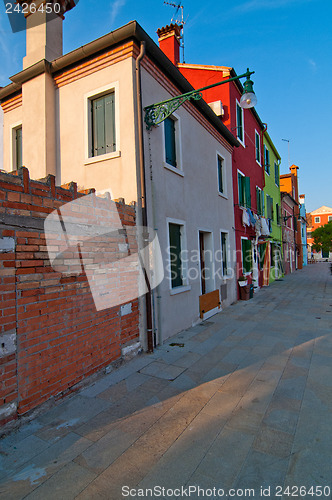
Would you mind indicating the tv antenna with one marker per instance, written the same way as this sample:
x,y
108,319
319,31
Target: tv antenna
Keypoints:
x,y
178,19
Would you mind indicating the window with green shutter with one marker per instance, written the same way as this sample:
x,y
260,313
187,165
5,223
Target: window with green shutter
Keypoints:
x,y
103,125
246,255
239,123
260,201
224,253
258,147
170,141
276,173
278,213
269,207
244,191
220,175
175,254
18,148
267,160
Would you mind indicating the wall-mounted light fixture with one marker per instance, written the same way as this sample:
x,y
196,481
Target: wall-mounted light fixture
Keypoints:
x,y
157,113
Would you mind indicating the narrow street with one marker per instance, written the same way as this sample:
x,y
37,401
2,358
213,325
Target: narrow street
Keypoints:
x,y
242,401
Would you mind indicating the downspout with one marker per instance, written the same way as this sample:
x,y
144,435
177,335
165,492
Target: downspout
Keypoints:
x,y
142,184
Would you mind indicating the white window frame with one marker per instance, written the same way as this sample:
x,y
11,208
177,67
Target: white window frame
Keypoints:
x,y
228,274
224,176
329,218
260,148
237,128
185,286
12,150
317,221
88,98
178,146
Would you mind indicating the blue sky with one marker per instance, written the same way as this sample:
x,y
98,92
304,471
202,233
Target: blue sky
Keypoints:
x,y
288,43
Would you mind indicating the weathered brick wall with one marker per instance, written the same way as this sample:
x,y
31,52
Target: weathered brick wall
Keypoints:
x,y
52,336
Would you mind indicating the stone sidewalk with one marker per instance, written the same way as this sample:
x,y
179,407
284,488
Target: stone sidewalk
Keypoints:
x,y
242,401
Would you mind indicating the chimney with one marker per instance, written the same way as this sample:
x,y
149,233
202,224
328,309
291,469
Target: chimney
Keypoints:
x,y
39,111
294,169
302,198
169,41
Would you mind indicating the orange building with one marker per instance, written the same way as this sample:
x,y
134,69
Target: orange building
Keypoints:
x,y
289,185
316,219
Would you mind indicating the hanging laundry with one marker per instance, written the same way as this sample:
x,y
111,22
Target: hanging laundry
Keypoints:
x,y
245,218
251,217
265,231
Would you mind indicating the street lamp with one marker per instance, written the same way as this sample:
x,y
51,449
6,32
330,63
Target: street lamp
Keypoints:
x,y
157,113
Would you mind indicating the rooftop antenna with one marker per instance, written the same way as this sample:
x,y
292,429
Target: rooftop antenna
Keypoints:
x,y
178,19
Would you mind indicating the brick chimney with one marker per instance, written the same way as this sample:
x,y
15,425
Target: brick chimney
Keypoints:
x,y
169,41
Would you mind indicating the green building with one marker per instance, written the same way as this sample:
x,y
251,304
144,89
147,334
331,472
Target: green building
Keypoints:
x,y
272,205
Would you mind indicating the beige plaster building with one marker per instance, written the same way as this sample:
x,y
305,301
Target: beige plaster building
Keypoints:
x,y
78,116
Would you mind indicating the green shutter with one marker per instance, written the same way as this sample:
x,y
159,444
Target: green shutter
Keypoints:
x,y
247,191
224,253
261,255
259,201
19,148
99,145
175,254
110,123
257,148
170,145
241,189
220,178
246,256
239,122
276,173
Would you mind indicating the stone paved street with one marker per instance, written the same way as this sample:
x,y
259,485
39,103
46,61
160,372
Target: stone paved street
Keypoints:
x,y
245,403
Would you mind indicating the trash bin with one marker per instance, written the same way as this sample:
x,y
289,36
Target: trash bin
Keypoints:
x,y
251,293
245,292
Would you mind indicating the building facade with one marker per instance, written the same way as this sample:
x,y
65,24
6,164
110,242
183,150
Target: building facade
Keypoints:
x,y
272,205
247,165
289,223
316,219
303,216
289,185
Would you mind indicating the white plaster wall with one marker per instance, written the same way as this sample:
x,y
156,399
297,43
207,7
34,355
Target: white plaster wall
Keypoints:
x,y
118,174
192,198
1,138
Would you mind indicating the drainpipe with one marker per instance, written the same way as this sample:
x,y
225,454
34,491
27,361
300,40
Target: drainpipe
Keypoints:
x,y
142,185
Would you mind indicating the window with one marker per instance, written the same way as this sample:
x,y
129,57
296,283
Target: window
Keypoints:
x,y
269,207
224,263
18,148
170,142
220,174
175,248
260,201
103,125
329,219
244,190
258,147
278,213
267,160
317,220
276,173
239,123
246,256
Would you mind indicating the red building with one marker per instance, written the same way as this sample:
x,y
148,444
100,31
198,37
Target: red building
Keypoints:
x,y
248,158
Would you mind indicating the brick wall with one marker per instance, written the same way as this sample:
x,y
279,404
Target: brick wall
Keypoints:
x,y
53,333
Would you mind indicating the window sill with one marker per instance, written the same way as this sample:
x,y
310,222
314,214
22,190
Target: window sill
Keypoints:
x,y
176,170
180,289
97,159
222,195
241,142
258,163
227,277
